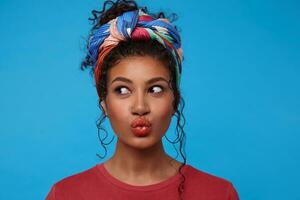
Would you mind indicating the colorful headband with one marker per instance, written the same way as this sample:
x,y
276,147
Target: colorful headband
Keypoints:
x,y
133,25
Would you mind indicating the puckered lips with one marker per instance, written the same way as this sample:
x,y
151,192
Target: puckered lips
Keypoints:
x,y
141,127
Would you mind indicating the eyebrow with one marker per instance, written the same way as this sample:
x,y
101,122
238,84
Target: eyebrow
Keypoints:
x,y
150,81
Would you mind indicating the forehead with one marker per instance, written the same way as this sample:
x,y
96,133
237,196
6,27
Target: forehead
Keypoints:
x,y
139,68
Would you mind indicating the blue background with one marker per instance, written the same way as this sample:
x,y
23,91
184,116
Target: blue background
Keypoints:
x,y
240,83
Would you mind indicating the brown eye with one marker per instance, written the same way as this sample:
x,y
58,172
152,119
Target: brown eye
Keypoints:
x,y
156,89
122,90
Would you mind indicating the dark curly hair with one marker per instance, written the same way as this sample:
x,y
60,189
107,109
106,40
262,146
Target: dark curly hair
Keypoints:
x,y
136,48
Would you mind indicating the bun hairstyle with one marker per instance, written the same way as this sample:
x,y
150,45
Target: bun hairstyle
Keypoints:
x,y
122,29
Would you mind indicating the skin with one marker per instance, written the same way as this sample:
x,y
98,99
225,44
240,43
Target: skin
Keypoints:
x,y
139,160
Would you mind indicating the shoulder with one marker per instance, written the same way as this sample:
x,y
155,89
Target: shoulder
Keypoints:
x,y
198,175
79,177
205,183
76,181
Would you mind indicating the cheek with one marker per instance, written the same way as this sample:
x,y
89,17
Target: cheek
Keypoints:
x,y
118,113
162,112
163,109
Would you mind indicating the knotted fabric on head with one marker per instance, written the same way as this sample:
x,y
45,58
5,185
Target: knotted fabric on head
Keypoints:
x,y
133,25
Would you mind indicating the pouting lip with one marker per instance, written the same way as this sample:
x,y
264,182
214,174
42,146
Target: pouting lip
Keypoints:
x,y
140,122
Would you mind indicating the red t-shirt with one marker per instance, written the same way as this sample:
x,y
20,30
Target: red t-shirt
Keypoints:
x,y
97,184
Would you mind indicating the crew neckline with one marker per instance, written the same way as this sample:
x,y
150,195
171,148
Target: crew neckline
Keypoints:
x,y
101,168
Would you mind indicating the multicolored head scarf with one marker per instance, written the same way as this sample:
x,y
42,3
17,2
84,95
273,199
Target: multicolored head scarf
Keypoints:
x,y
133,25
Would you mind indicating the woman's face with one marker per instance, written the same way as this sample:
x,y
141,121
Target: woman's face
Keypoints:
x,y
138,88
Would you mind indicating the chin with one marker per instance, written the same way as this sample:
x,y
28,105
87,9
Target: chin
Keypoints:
x,y
142,143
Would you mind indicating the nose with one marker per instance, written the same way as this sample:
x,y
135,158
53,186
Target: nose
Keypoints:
x,y
140,104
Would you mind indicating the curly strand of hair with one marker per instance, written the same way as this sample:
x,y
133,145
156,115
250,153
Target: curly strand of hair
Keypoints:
x,y
96,14
180,137
181,133
110,10
102,139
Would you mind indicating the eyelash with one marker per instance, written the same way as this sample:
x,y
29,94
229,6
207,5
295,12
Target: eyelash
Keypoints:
x,y
117,89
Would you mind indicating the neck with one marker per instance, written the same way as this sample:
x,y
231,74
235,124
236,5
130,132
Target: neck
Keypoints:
x,y
129,163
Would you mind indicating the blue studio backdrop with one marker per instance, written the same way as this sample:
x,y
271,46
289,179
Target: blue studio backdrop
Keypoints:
x,y
240,83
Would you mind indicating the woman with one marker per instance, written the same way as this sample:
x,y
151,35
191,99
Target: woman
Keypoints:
x,y
136,61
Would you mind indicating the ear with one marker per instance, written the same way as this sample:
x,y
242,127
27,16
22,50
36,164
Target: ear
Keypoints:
x,y
103,105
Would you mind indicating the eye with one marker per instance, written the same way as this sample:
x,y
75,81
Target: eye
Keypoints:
x,y
156,89
121,90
